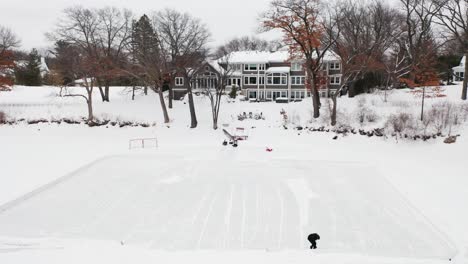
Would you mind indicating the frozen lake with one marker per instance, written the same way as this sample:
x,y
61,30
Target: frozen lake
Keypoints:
x,y
168,202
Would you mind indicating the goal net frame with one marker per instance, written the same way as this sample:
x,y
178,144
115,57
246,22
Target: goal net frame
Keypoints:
x,y
143,143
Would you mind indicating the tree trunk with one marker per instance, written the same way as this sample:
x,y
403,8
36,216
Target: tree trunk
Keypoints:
x,y
106,91
215,122
146,89
171,96
315,96
133,93
193,115
163,106
333,112
465,80
101,91
90,106
422,105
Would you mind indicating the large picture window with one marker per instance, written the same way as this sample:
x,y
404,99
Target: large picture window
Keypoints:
x,y
277,79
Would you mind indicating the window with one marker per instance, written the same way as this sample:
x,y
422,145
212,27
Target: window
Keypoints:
x,y
235,67
296,67
334,66
250,80
262,80
277,79
234,81
261,67
298,80
335,80
253,94
179,81
250,67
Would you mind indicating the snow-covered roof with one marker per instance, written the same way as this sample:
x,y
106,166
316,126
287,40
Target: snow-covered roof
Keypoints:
x,y
216,66
461,67
255,57
279,70
247,57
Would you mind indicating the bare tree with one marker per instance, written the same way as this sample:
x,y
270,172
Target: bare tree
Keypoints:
x,y
417,40
216,94
84,69
305,27
184,40
366,31
114,33
8,39
453,15
102,34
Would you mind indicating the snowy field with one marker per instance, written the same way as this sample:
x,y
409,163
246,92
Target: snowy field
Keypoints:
x,y
372,200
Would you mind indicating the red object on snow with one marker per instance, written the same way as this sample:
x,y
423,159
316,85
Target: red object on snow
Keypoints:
x,y
269,149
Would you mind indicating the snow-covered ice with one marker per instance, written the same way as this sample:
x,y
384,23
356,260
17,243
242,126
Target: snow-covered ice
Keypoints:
x,y
227,203
366,197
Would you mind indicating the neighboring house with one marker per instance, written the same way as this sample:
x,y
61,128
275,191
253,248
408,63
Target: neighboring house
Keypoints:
x,y
43,66
459,71
263,76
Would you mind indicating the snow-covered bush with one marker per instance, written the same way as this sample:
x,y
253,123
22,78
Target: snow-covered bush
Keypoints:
x,y
446,116
401,124
364,113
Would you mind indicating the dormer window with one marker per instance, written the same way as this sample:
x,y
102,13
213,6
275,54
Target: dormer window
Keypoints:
x,y
296,66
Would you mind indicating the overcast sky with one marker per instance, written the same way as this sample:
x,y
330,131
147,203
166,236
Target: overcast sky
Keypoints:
x,y
31,19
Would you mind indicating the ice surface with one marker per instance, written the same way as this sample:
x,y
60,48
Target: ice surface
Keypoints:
x,y
209,203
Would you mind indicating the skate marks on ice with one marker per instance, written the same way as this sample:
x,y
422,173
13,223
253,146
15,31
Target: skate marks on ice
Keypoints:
x,y
171,203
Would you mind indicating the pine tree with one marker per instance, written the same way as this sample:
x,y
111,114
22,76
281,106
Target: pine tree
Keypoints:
x,y
149,62
30,73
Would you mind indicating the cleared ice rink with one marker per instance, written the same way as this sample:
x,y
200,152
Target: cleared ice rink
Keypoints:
x,y
168,202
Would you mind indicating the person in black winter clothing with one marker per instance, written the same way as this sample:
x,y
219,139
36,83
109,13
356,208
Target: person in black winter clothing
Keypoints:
x,y
313,240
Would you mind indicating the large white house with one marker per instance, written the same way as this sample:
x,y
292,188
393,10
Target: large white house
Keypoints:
x,y
459,71
265,76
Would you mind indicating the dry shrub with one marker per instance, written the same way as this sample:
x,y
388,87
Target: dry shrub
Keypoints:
x,y
399,124
2,118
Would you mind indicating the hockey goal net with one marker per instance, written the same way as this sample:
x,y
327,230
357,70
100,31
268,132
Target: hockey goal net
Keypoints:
x,y
143,143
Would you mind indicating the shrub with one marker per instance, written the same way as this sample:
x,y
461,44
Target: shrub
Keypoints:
x,y
366,114
2,118
399,124
233,93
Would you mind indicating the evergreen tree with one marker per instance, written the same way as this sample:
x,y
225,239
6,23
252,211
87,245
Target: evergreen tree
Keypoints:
x,y
30,73
148,59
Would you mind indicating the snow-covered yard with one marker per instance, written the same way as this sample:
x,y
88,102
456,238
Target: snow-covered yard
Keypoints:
x,y
365,196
